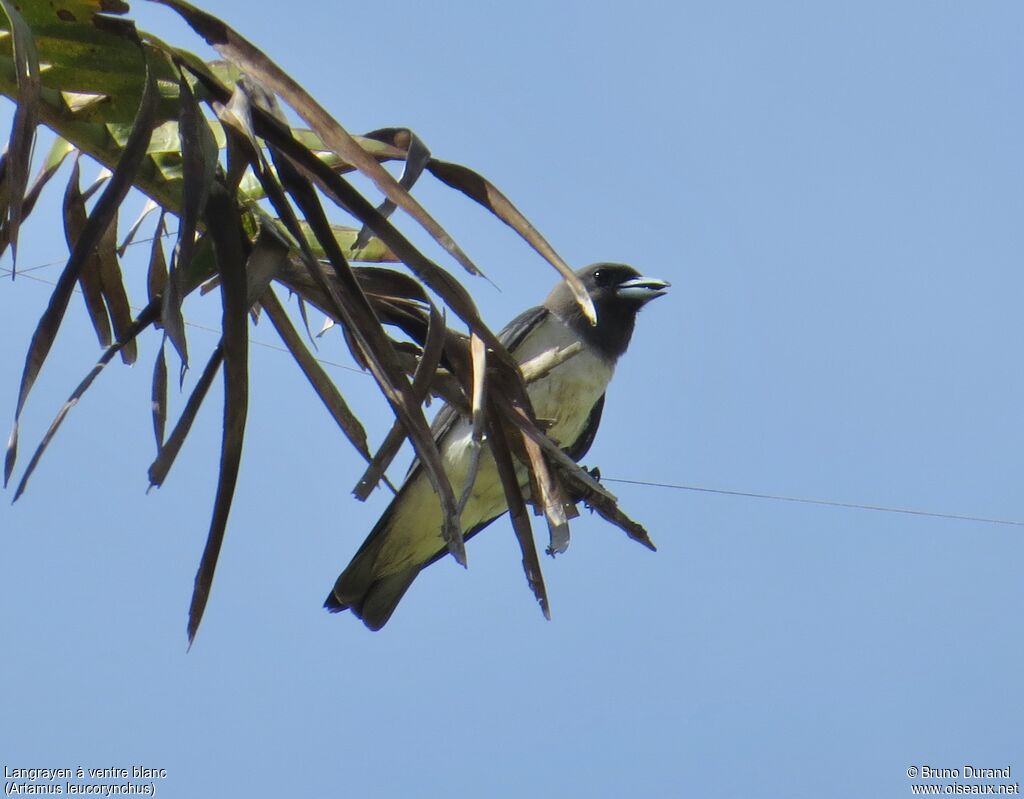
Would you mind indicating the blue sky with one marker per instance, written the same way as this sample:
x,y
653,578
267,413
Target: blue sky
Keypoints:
x,y
834,192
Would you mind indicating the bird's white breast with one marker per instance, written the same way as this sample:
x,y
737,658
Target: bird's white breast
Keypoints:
x,y
568,393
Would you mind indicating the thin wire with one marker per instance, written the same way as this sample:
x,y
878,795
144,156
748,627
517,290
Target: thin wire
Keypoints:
x,y
5,271
826,502
279,348
673,486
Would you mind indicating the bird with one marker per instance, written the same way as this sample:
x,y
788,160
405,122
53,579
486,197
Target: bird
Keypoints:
x,y
570,399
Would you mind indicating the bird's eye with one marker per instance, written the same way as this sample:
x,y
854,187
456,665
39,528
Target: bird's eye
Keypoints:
x,y
602,277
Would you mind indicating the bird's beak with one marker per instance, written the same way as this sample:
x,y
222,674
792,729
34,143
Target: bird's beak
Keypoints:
x,y
642,289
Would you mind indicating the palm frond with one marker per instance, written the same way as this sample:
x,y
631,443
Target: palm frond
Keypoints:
x,y
215,150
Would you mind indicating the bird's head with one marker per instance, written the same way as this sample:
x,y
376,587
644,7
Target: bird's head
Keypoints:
x,y
618,292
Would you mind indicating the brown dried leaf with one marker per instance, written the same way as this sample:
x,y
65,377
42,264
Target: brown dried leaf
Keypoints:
x,y
517,510
159,395
225,226
551,497
75,217
114,294
161,466
478,353
416,156
608,509
478,188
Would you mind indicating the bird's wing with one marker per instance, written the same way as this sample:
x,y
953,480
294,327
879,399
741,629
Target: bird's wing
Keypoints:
x,y
581,445
514,332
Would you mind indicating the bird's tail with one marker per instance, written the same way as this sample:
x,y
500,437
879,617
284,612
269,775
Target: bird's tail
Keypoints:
x,y
377,601
367,587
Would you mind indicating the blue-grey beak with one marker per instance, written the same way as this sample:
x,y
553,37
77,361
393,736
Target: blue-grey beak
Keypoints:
x,y
642,289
